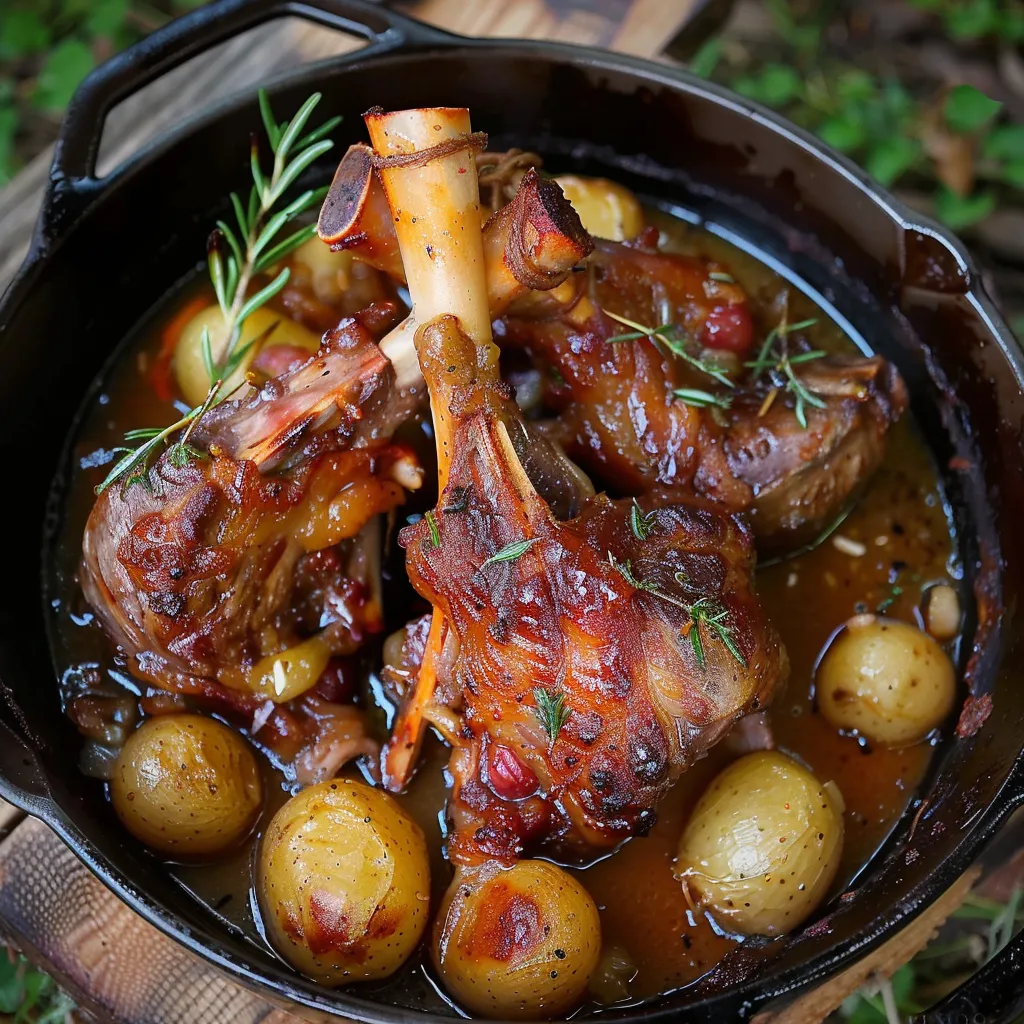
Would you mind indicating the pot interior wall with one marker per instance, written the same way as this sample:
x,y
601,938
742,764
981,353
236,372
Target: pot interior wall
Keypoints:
x,y
903,291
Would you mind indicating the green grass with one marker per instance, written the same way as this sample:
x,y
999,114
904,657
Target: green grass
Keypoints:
x,y
28,996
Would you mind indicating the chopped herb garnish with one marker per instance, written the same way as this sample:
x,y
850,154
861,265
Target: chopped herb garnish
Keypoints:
x,y
669,336
510,552
435,533
703,612
702,399
707,612
720,275
640,522
550,709
776,360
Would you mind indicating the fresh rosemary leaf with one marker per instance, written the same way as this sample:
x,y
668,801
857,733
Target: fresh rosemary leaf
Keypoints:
x,y
706,612
697,645
701,399
211,369
435,533
549,707
294,128
718,275
806,357
510,552
800,325
297,166
216,265
264,295
141,434
266,236
632,336
269,124
282,249
257,175
231,239
640,522
253,209
240,216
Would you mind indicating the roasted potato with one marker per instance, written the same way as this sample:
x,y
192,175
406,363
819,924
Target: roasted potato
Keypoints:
x,y
328,271
343,882
189,364
762,845
518,942
886,679
186,785
606,208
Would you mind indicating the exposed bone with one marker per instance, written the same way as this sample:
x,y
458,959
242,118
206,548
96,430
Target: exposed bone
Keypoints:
x,y
530,245
356,216
435,207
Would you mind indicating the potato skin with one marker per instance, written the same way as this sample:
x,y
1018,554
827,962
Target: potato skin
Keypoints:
x,y
190,367
606,208
187,785
762,845
343,882
887,679
518,942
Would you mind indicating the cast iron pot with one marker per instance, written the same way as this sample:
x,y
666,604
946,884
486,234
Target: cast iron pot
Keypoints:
x,y
106,249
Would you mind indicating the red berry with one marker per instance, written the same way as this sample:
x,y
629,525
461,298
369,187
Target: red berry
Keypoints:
x,y
508,776
730,328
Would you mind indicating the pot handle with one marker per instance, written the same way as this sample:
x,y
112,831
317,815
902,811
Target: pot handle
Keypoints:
x,y
74,161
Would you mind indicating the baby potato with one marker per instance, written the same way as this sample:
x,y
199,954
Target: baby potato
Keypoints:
x,y
762,845
187,785
343,882
886,679
518,942
328,271
606,208
190,366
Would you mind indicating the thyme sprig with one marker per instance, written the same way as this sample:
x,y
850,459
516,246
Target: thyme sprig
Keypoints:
x,y
549,707
703,612
671,337
774,358
235,260
641,522
510,552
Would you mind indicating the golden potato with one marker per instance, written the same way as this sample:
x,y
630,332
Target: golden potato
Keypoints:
x,y
343,882
886,679
328,271
606,208
187,785
518,942
762,845
190,367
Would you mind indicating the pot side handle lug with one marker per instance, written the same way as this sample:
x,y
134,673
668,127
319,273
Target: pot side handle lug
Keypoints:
x,y
73,183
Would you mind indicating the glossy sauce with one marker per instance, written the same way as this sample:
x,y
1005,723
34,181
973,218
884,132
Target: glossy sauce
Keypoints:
x,y
902,523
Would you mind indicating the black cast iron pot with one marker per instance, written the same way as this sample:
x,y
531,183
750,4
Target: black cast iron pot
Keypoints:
x,y
106,249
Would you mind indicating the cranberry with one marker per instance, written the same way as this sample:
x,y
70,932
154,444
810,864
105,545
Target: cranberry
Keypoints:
x,y
730,328
508,776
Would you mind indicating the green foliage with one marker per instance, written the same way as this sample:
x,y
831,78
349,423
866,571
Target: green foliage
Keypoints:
x,y
937,142
974,20
28,995
47,47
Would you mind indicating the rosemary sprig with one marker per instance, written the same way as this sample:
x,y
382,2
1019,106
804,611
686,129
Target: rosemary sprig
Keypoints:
x,y
703,612
669,336
775,358
510,552
235,260
722,276
707,613
549,707
702,399
640,522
